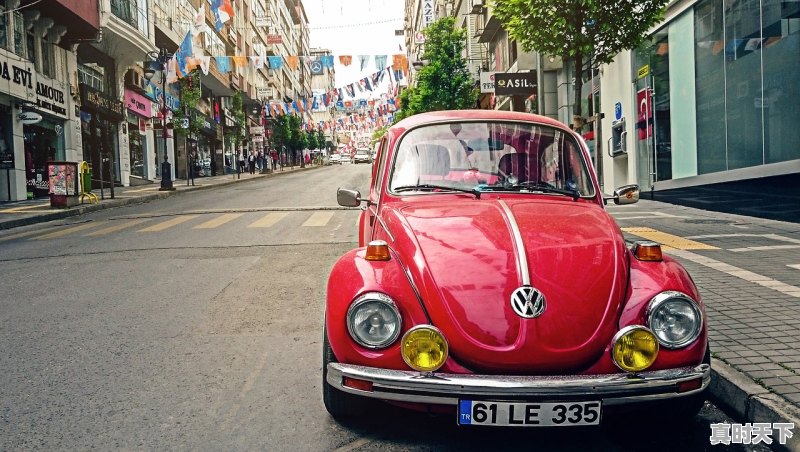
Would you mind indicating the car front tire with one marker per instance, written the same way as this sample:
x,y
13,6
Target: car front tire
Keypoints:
x,y
339,404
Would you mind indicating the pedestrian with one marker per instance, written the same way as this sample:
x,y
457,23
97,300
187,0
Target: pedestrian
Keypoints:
x,y
240,169
274,159
192,165
252,161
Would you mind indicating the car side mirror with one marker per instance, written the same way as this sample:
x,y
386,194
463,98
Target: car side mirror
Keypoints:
x,y
627,194
348,198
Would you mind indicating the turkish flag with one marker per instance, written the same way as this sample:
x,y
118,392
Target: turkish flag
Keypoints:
x,y
644,115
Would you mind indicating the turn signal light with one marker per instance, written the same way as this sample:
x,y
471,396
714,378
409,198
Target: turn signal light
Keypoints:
x,y
635,348
377,250
361,385
648,251
690,385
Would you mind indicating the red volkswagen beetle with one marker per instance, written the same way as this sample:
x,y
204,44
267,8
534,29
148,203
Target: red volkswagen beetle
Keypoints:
x,y
491,282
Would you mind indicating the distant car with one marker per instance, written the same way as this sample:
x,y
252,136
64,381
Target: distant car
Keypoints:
x,y
345,158
336,159
362,156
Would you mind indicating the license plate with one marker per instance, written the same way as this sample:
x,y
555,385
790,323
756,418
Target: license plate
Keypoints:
x,y
474,412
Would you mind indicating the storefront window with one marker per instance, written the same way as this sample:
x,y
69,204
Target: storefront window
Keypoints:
x,y
138,147
44,142
710,87
781,47
743,85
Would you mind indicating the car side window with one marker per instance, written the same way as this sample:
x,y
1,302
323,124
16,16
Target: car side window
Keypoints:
x,y
378,167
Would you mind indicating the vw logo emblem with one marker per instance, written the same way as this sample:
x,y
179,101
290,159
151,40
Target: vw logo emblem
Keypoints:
x,y
527,302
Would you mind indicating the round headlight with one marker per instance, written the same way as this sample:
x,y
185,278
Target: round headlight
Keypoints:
x,y
635,348
373,320
424,348
675,319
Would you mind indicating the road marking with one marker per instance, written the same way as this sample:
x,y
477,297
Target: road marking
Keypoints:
x,y
25,234
669,240
764,248
318,219
117,227
142,189
22,209
746,275
168,224
63,232
645,214
268,220
219,221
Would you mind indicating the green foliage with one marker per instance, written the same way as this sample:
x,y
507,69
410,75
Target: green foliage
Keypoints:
x,y
239,133
445,82
377,134
579,31
311,140
321,139
281,132
190,96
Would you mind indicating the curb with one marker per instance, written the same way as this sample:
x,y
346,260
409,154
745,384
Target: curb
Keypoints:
x,y
11,224
750,402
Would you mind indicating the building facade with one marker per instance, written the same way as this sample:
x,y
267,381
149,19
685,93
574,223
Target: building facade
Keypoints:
x,y
709,98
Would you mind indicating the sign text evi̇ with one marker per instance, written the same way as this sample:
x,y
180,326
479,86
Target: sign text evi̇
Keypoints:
x,y
47,97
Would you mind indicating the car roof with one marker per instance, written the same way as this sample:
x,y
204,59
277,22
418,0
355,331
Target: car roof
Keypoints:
x,y
460,115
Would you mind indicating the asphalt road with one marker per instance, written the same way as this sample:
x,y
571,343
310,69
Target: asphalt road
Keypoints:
x,y
194,322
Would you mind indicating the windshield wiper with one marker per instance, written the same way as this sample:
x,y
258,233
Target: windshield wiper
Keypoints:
x,y
546,188
472,191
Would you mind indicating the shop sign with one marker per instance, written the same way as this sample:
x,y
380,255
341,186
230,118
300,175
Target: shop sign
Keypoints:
x,y
274,39
153,90
94,100
29,117
23,79
138,104
643,71
257,130
487,82
512,83
428,14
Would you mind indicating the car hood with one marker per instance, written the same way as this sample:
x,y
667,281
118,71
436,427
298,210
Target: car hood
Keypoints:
x,y
464,259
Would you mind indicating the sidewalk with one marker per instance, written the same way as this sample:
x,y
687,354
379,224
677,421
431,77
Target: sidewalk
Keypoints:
x,y
747,270
23,213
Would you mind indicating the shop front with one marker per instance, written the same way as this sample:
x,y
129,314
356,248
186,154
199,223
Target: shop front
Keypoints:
x,y
33,121
164,142
205,146
100,118
139,112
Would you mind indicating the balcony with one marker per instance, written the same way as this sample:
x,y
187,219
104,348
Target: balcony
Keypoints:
x,y
128,12
127,31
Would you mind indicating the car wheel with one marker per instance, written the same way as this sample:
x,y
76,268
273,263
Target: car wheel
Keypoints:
x,y
338,403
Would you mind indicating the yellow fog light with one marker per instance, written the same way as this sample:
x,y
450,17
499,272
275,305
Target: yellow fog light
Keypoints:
x,y
635,348
424,348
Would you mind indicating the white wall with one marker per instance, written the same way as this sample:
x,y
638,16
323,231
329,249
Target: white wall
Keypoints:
x,y
616,86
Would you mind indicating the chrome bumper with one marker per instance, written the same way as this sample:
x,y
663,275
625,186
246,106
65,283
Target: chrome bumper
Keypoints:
x,y
447,389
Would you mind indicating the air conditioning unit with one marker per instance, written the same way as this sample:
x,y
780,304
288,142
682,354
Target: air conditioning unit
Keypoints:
x,y
134,80
476,6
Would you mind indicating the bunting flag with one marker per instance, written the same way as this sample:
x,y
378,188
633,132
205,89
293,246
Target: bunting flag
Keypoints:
x,y
223,64
257,62
172,69
399,62
350,90
240,61
185,52
275,62
345,60
199,25
292,62
223,12
205,63
326,60
363,60
365,84
380,62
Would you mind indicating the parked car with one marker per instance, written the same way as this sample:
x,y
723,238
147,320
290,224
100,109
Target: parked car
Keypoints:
x,y
346,158
336,159
491,283
362,156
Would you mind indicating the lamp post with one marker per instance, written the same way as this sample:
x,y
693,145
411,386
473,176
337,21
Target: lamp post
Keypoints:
x,y
158,62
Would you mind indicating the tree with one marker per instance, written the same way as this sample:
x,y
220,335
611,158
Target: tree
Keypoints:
x,y
190,96
311,140
586,33
297,139
321,141
444,83
281,133
238,133
378,134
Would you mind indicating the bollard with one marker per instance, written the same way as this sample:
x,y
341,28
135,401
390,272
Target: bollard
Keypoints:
x,y
166,176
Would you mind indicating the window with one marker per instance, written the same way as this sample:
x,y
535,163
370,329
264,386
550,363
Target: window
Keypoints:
x,y
91,76
19,34
3,26
30,45
48,59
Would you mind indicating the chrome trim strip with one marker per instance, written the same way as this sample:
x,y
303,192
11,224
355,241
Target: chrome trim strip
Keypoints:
x,y
447,389
519,245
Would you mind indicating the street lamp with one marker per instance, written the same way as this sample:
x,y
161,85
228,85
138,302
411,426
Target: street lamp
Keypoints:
x,y
158,62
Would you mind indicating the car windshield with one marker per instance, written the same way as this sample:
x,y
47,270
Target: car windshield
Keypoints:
x,y
491,156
